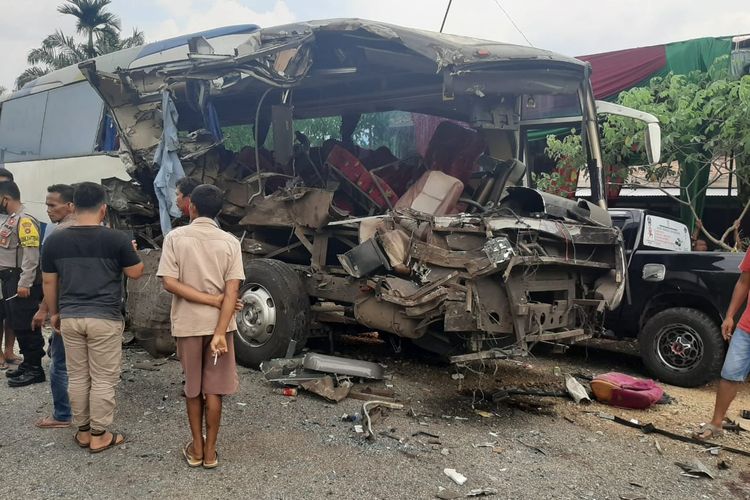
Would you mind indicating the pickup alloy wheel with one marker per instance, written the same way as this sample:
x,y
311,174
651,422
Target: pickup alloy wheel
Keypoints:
x,y
682,346
679,347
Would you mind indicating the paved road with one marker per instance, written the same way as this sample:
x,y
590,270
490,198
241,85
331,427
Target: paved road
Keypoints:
x,y
278,448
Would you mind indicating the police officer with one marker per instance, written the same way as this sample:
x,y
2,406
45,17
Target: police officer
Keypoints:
x,y
20,281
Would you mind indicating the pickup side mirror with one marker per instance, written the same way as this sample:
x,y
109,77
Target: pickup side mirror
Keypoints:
x,y
653,130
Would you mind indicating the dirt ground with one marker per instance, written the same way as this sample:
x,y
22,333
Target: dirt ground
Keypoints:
x,y
276,447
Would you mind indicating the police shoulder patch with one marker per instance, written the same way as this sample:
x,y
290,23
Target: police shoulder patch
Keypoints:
x,y
28,233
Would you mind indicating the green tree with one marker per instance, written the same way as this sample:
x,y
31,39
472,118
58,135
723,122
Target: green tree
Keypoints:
x,y
92,19
59,50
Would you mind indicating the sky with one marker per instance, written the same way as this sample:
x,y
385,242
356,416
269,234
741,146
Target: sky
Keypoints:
x,y
575,27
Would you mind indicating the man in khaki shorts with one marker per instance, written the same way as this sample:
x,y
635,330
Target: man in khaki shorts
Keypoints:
x,y
201,265
82,268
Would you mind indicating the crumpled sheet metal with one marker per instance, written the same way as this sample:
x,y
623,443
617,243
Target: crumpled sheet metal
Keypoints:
x,y
307,207
325,388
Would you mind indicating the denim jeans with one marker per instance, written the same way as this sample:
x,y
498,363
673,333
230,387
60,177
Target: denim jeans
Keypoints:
x,y
58,379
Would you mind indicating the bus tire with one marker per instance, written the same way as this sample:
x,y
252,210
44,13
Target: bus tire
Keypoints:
x,y
276,312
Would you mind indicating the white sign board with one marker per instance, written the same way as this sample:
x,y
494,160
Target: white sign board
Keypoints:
x,y
666,234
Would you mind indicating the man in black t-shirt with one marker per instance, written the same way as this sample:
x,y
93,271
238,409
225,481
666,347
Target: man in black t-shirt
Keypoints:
x,y
82,270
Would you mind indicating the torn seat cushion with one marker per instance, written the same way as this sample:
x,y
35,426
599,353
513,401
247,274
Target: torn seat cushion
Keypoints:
x,y
351,168
435,193
624,391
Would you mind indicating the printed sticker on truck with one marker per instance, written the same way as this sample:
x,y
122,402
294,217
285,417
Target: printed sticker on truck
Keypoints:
x,y
666,234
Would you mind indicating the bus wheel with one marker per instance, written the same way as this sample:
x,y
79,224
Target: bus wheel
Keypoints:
x,y
277,311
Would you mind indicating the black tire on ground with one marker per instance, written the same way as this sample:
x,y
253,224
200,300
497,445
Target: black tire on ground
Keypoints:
x,y
682,346
277,311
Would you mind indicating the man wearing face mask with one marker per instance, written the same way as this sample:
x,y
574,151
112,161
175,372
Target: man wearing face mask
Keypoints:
x,y
20,280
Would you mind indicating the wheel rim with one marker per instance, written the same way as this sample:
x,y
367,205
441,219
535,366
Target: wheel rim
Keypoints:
x,y
680,347
257,320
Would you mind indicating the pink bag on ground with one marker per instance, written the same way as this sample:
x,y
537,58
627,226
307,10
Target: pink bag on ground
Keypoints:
x,y
624,391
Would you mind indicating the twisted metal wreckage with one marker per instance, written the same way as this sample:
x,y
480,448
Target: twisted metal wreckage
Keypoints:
x,y
445,248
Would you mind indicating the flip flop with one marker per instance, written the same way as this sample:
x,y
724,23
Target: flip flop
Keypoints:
x,y
191,461
78,442
112,443
707,431
212,465
51,423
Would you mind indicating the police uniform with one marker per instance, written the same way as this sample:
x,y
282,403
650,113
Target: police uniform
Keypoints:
x,y
20,239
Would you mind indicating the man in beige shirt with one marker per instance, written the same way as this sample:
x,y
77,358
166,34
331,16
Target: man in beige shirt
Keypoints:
x,y
201,265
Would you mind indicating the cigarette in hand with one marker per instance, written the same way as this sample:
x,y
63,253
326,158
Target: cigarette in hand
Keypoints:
x,y
216,356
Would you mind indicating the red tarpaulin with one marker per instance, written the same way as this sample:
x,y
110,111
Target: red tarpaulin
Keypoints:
x,y
623,69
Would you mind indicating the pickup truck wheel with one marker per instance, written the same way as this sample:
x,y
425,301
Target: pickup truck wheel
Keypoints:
x,y
682,346
277,311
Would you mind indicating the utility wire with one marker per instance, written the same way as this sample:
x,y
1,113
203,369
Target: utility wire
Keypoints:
x,y
446,15
497,2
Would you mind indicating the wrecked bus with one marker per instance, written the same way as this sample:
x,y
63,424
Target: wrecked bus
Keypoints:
x,y
376,178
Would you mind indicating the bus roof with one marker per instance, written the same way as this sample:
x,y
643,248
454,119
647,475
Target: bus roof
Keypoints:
x,y
171,49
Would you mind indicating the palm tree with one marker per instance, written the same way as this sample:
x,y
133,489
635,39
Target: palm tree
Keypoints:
x,y
59,50
92,18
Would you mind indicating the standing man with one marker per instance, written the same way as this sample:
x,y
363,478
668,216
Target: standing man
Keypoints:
x,y
60,212
737,362
83,267
183,190
8,359
21,283
201,265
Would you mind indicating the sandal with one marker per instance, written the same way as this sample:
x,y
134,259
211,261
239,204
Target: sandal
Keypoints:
x,y
51,423
79,442
191,460
213,464
707,431
113,442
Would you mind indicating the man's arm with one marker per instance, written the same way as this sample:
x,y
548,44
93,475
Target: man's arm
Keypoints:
x,y
231,294
50,286
187,292
134,272
739,298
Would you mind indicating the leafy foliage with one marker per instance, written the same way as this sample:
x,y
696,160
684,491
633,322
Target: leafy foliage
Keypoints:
x,y
59,50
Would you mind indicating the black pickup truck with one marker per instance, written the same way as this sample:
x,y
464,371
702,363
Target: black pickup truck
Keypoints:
x,y
675,299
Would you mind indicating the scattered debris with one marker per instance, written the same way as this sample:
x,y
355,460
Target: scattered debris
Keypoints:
x,y
359,429
456,477
714,450
723,465
373,404
631,496
484,414
241,404
658,447
745,414
423,433
289,391
576,390
485,445
445,452
624,391
457,376
371,394
482,492
651,429
343,366
325,388
695,469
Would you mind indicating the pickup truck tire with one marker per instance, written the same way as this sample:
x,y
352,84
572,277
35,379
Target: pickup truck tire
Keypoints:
x,y
277,311
682,346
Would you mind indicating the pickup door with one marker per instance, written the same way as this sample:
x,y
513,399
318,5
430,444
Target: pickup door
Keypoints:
x,y
689,278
